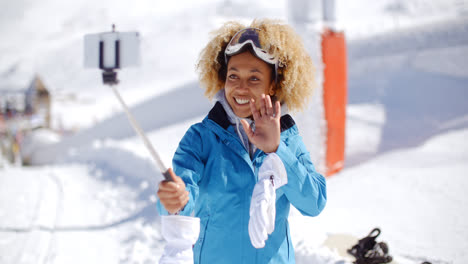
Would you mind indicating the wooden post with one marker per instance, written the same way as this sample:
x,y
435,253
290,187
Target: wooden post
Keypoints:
x,y
334,97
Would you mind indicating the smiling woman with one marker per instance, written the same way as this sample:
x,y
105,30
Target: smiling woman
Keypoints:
x,y
282,48
247,79
244,165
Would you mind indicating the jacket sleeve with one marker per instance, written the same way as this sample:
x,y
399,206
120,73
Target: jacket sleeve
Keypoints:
x,y
189,165
306,188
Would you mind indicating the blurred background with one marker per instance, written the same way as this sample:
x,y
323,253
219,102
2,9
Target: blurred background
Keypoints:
x,y
76,185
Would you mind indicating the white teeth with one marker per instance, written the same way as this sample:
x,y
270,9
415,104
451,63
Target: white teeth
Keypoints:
x,y
241,101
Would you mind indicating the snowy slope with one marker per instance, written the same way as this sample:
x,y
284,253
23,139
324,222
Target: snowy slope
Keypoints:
x,y
416,196
47,39
416,78
406,149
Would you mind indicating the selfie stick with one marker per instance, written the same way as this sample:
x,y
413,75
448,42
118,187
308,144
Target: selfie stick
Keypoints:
x,y
113,50
104,51
143,136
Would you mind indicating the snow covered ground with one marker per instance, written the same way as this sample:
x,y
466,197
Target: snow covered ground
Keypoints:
x,y
407,153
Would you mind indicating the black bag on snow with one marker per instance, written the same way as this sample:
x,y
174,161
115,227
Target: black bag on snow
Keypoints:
x,y
369,251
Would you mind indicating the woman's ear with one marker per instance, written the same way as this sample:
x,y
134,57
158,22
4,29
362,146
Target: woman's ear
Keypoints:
x,y
272,89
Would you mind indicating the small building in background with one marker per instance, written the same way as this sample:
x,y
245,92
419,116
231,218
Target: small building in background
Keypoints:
x,y
30,106
37,103
21,111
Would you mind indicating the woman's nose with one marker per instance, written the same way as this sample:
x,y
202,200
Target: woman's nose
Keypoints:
x,y
243,85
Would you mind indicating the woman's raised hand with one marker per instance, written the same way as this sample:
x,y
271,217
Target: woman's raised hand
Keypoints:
x,y
172,194
267,124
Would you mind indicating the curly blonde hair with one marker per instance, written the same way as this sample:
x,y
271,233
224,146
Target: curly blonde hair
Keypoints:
x,y
295,70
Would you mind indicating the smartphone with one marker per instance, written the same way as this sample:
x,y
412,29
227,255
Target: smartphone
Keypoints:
x,y
112,50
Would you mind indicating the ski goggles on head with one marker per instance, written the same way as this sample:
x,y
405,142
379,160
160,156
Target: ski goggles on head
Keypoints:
x,y
249,36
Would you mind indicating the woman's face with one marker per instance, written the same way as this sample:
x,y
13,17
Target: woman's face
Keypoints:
x,y
247,77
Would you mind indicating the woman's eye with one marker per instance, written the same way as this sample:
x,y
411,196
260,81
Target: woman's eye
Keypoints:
x,y
254,79
232,76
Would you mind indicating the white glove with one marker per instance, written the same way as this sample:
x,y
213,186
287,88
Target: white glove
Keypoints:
x,y
180,233
271,176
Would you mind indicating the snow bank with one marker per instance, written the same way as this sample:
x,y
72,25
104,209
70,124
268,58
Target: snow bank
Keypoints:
x,y
406,149
415,196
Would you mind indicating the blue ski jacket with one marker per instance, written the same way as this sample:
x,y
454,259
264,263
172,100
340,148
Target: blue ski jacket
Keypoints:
x,y
220,176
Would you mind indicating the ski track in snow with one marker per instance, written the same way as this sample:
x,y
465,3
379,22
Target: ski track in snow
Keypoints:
x,y
82,215
406,148
37,238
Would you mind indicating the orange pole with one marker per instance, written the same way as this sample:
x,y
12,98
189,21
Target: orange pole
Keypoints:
x,y
334,97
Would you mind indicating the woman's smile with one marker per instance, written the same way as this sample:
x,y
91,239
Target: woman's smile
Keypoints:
x,y
247,78
241,101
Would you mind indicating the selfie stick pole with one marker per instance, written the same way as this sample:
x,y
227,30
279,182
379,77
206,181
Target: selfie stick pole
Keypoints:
x,y
180,232
143,136
103,51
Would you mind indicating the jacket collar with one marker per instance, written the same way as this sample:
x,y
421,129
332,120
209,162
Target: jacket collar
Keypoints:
x,y
219,116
